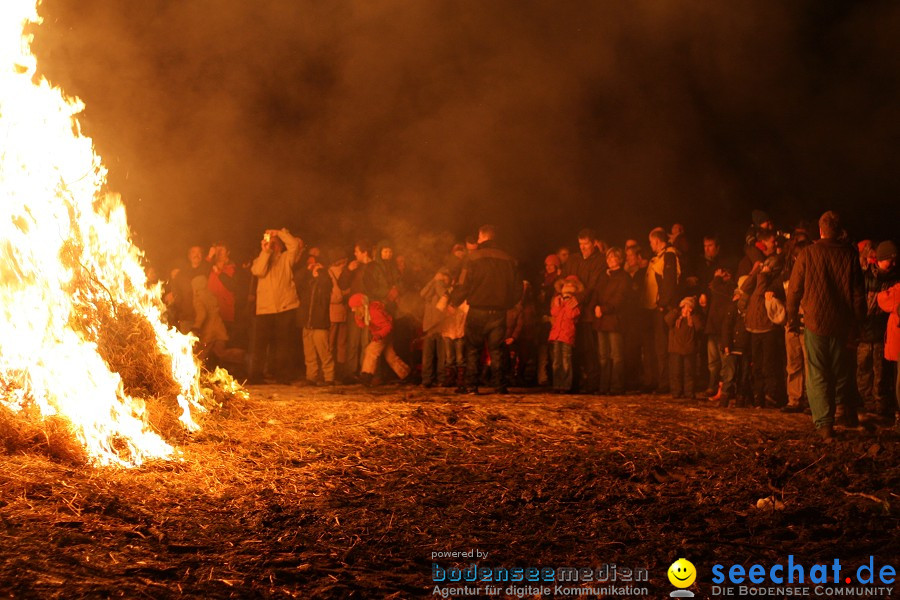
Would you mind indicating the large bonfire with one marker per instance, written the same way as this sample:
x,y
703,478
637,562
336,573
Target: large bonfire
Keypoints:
x,y
86,361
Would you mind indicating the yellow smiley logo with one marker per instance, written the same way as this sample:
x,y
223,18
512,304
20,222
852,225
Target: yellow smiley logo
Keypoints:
x,y
682,573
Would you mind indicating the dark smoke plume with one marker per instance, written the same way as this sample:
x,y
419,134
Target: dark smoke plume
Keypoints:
x,y
219,118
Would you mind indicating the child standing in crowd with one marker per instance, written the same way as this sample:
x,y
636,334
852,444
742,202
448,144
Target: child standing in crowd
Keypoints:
x,y
736,350
685,327
889,302
564,312
380,324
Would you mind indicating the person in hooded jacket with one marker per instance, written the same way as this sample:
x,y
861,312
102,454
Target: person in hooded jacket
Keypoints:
x,y
375,317
564,311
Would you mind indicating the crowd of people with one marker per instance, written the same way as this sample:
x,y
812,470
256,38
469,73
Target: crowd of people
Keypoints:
x,y
801,320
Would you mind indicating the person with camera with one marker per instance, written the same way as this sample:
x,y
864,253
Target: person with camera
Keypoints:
x,y
276,303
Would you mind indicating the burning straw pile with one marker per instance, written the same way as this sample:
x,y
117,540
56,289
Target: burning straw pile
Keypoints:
x,y
88,369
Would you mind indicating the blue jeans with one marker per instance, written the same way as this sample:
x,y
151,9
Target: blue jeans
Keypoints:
x,y
485,326
829,378
562,366
611,348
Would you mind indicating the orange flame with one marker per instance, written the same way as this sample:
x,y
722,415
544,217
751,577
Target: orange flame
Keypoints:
x,y
57,230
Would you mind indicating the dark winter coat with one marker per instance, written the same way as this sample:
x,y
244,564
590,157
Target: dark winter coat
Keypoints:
x,y
489,279
827,282
734,332
875,323
718,304
683,332
315,300
610,297
756,286
590,272
381,279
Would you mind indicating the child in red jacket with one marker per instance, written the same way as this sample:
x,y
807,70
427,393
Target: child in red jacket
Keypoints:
x,y
374,316
564,312
889,302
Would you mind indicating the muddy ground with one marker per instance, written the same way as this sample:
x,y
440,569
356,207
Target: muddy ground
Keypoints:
x,y
347,493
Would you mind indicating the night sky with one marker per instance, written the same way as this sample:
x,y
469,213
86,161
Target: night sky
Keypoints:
x,y
339,119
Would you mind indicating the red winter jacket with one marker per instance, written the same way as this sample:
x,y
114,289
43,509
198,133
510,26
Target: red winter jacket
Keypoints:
x,y
563,313
889,301
380,322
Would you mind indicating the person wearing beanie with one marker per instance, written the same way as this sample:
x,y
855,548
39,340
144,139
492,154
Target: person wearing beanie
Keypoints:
x,y
886,251
872,380
373,315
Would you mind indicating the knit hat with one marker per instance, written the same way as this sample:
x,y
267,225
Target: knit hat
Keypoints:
x,y
361,300
886,250
554,260
687,301
572,280
357,300
759,217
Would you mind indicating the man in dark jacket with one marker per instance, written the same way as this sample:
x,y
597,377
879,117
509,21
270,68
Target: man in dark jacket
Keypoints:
x,y
314,314
718,298
827,282
589,266
353,280
491,284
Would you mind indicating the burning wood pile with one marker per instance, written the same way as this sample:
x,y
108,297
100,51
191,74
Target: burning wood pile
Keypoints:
x,y
88,369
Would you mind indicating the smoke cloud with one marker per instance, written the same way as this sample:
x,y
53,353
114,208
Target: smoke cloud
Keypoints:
x,y
220,118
